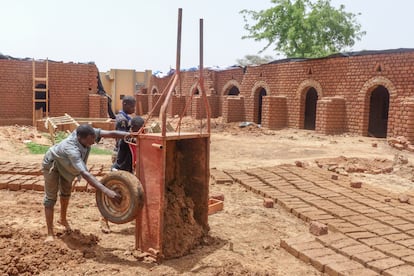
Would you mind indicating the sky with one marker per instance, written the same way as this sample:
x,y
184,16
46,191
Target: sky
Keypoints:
x,y
142,35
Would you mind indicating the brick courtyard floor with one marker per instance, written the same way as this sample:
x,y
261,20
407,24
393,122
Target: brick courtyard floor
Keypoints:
x,y
370,231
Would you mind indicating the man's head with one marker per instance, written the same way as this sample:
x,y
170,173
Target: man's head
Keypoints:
x,y
128,104
86,135
136,123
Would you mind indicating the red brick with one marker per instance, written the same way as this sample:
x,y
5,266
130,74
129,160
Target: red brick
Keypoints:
x,y
268,203
317,228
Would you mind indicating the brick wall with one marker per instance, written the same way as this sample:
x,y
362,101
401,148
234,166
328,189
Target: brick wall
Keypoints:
x,y
331,115
274,118
233,109
142,104
69,88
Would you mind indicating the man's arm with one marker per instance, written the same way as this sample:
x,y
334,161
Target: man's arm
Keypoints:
x,y
114,134
98,185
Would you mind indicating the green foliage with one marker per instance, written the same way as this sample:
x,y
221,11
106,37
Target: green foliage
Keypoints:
x,y
60,135
99,151
35,148
303,28
254,60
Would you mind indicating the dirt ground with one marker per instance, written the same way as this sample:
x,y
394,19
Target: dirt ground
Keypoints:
x,y
244,238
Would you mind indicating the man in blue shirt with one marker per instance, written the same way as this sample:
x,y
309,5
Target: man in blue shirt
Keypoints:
x,y
67,160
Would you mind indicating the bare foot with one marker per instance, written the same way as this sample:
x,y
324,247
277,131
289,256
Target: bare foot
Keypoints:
x,y
105,226
65,224
49,239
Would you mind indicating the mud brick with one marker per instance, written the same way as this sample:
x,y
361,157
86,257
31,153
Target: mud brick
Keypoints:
x,y
27,185
354,229
309,254
399,253
308,216
304,246
354,250
361,235
335,269
385,231
405,227
330,238
397,237
356,184
360,220
384,264
38,186
359,272
287,243
408,242
369,256
374,241
218,196
403,270
388,247
317,228
408,259
320,262
336,245
334,177
14,185
268,203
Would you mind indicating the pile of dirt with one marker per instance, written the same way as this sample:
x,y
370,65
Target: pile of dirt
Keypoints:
x,y
181,233
345,165
26,253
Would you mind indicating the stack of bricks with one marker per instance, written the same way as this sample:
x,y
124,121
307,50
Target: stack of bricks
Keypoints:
x,y
330,117
94,106
29,176
233,107
274,118
142,104
370,231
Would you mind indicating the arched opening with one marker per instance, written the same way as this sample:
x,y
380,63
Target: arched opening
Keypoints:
x,y
197,92
233,91
378,112
154,91
310,108
260,93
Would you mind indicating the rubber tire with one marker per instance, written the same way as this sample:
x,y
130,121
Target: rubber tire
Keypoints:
x,y
130,188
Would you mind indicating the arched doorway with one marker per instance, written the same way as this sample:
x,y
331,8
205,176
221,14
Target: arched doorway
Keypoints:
x,y
378,112
154,91
310,108
233,91
260,93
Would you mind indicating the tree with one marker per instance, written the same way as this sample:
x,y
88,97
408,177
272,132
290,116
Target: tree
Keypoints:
x,y
303,28
254,60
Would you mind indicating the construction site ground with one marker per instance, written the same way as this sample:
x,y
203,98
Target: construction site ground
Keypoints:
x,y
306,175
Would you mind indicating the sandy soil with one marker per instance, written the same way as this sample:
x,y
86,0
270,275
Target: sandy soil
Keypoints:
x,y
243,239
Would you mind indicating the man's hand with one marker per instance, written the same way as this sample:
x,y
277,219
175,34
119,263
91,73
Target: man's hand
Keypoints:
x,y
113,195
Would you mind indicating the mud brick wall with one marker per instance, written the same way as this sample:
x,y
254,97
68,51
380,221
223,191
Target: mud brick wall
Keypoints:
x,y
142,104
69,87
152,104
103,107
176,106
274,118
198,108
408,111
233,107
94,106
331,115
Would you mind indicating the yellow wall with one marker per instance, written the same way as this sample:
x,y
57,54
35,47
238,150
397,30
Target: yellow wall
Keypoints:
x,y
118,82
